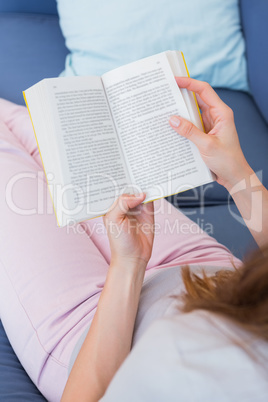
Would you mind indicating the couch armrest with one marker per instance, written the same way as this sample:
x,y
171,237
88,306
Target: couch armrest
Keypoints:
x,y
254,15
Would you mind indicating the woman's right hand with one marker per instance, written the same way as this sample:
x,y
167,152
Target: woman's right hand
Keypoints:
x,y
221,151
219,147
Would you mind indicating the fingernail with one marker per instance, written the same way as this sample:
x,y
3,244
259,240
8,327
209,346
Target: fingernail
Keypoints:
x,y
174,121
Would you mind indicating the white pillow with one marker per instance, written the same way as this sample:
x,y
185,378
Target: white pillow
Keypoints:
x,y
105,34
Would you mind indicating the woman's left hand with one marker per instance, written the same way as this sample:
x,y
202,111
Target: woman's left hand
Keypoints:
x,y
130,229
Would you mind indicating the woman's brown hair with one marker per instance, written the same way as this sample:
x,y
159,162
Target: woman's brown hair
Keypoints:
x,y
241,295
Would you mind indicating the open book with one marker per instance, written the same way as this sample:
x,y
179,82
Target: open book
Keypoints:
x,y
101,136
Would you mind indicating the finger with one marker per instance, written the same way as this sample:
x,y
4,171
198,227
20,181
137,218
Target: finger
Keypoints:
x,y
203,89
125,203
188,130
133,200
202,105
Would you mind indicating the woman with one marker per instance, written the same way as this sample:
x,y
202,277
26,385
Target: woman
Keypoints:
x,y
74,301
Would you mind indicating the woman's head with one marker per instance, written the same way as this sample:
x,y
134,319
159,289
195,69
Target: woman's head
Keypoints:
x,y
241,295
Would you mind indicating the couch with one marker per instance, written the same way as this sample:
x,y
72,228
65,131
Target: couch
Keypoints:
x,y
32,47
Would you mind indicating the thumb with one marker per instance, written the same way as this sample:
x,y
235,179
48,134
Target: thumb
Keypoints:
x,y
129,201
123,204
188,130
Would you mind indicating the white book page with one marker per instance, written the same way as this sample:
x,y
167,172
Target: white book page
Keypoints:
x,y
178,68
92,163
142,96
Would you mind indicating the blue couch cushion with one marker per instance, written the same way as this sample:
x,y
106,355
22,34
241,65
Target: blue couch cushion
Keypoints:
x,y
224,223
26,6
255,25
33,48
253,135
15,385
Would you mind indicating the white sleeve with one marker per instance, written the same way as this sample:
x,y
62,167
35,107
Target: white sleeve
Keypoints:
x,y
193,357
150,372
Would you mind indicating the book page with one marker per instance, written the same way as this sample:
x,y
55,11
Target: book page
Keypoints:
x,y
142,96
92,163
178,67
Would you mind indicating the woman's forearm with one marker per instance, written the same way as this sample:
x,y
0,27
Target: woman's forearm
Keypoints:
x,y
109,339
251,198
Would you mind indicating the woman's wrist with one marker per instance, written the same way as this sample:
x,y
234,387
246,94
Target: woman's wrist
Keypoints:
x,y
130,264
128,270
240,173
